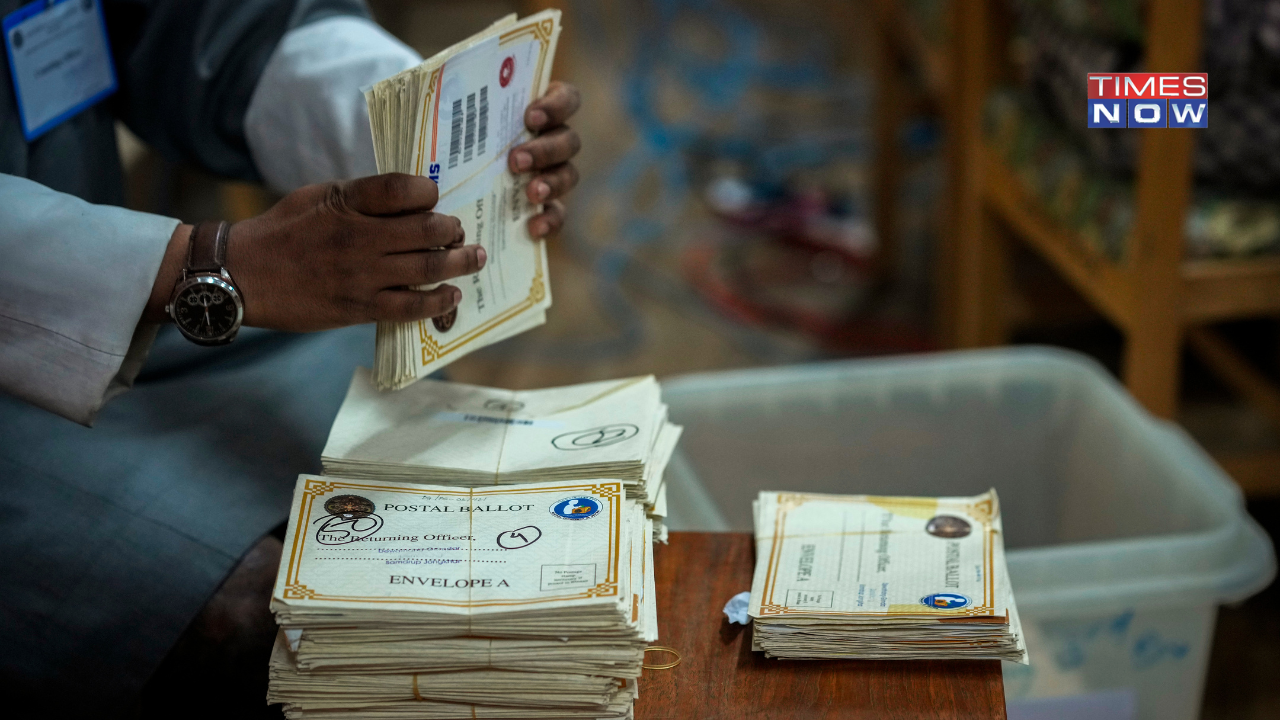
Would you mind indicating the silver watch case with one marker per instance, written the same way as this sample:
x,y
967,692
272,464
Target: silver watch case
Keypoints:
x,y
221,280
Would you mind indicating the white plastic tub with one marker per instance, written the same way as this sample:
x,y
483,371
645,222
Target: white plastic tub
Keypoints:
x,y
1124,537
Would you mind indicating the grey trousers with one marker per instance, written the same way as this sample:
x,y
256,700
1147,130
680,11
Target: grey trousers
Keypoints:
x,y
112,538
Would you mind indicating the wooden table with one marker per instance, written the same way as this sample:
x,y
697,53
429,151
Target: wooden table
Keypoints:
x,y
720,677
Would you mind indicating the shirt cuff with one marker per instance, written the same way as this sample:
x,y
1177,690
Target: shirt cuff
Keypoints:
x,y
74,281
307,121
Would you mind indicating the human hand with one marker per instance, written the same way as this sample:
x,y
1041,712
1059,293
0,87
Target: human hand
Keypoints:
x,y
338,254
548,155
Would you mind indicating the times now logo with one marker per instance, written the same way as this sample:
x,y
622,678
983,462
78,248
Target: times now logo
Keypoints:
x,y
1149,100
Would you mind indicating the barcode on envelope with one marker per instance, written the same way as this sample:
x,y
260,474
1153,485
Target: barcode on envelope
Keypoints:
x,y
469,145
469,129
455,134
482,132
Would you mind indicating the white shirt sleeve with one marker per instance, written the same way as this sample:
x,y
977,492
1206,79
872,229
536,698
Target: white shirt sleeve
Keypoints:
x,y
307,121
74,280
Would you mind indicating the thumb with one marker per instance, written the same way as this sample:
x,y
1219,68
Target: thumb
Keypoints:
x,y
389,194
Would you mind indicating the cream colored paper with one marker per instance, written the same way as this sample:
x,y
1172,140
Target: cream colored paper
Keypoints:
x,y
921,577
453,119
493,431
369,546
403,600
456,434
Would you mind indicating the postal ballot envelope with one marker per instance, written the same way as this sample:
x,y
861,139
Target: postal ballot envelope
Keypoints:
x,y
453,119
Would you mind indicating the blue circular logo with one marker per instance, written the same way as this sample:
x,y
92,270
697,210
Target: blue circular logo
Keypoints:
x,y
576,508
945,601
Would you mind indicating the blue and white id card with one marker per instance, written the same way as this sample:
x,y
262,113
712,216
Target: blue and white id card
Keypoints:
x,y
59,59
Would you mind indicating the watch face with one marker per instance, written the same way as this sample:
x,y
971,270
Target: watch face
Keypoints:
x,y
207,309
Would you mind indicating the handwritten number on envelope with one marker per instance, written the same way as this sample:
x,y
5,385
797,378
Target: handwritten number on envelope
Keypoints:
x,y
598,437
518,538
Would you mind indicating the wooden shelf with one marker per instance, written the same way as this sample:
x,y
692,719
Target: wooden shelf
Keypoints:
x,y
1155,297
1227,289
1258,474
1213,290
1101,282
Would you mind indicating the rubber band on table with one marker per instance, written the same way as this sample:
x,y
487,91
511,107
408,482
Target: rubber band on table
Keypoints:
x,y
666,665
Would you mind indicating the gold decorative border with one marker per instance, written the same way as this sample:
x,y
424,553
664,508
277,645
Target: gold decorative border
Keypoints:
x,y
542,32
295,589
430,349
982,511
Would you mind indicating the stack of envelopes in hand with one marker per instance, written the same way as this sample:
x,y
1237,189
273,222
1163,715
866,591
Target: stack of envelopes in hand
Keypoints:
x,y
418,601
454,118
900,578
470,436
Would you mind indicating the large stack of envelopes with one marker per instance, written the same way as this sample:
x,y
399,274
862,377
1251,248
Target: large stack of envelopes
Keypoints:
x,y
469,436
399,600
899,578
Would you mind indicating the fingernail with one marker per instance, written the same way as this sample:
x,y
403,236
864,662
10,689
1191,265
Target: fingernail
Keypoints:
x,y
524,161
537,118
457,296
481,256
540,189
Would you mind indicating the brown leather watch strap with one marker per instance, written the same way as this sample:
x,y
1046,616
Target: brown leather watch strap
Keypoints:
x,y
207,251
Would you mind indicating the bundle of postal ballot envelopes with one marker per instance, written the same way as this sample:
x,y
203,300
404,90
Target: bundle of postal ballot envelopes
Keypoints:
x,y
453,119
473,552
893,578
401,600
456,434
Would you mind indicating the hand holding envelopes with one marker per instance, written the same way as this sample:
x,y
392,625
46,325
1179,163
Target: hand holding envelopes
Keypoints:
x,y
453,119
402,600
471,436
896,578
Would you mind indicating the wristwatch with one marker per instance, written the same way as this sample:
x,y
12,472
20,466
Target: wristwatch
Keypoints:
x,y
206,305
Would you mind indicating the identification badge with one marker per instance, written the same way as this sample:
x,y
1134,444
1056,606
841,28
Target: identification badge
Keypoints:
x,y
60,61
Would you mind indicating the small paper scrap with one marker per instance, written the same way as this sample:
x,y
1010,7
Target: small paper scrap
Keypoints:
x,y
736,608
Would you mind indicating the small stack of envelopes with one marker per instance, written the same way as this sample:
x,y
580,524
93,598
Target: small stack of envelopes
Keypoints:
x,y
897,578
470,436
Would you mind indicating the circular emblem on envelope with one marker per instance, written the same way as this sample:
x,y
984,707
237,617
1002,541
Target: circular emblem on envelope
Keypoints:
x,y
576,508
445,321
945,601
349,506
948,526
507,71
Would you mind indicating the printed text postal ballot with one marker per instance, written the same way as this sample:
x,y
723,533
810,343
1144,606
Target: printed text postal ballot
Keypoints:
x,y
369,543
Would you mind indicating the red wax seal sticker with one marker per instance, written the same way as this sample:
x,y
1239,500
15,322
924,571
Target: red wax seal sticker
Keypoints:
x,y
507,70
